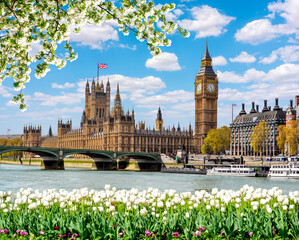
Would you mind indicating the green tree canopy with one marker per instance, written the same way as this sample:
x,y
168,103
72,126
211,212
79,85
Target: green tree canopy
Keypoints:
x,y
50,22
217,140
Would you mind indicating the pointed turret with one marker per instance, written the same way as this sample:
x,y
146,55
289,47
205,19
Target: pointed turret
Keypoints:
x,y
98,88
102,86
159,121
93,85
108,86
206,55
50,134
117,100
179,128
206,64
117,110
87,86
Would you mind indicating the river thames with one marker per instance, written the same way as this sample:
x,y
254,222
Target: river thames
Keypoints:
x,y
13,177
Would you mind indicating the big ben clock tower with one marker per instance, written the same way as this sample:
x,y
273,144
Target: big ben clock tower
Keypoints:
x,y
206,95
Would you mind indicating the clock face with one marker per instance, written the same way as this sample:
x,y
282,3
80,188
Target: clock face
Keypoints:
x,y
211,87
198,88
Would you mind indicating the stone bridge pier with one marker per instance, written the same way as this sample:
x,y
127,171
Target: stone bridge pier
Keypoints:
x,y
139,163
102,164
51,163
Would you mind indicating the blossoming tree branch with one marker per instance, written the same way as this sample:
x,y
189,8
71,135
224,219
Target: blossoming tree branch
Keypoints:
x,y
50,22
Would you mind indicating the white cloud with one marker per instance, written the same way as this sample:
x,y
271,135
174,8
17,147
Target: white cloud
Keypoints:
x,y
67,99
256,32
94,35
244,57
55,111
11,103
287,73
219,61
257,92
286,54
164,98
4,91
164,62
133,48
129,84
250,75
207,21
263,30
66,85
35,48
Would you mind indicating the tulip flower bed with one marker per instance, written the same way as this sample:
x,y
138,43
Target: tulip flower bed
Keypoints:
x,y
150,214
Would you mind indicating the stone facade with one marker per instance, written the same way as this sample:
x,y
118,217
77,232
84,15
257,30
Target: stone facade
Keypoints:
x,y
243,125
206,96
117,131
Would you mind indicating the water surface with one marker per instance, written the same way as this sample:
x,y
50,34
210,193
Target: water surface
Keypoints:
x,y
13,177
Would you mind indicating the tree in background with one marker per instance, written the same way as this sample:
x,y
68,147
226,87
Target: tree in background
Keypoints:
x,y
288,138
12,142
217,141
259,137
292,138
281,138
49,23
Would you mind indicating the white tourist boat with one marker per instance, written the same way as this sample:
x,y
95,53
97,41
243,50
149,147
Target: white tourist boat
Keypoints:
x,y
232,170
284,171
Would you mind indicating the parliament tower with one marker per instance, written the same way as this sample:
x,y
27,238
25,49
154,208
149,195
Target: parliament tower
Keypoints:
x,y
206,95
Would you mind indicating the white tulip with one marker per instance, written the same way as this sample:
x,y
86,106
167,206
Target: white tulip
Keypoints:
x,y
143,212
269,210
291,206
160,204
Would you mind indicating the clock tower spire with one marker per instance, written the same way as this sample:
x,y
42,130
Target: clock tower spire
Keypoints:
x,y
206,96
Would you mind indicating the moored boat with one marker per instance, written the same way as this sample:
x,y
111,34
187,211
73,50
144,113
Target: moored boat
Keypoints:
x,y
232,170
289,170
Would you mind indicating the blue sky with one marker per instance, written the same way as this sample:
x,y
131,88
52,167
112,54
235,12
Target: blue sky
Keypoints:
x,y
255,51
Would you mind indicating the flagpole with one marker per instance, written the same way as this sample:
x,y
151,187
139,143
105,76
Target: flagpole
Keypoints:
x,y
98,72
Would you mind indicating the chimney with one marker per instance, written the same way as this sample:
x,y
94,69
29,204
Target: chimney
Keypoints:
x,y
265,106
257,108
276,107
252,108
243,109
269,108
291,103
296,100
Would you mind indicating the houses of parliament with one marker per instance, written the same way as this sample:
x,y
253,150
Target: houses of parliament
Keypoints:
x,y
116,130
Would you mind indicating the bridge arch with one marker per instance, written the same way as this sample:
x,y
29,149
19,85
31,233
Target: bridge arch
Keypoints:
x,y
40,152
50,158
102,160
138,161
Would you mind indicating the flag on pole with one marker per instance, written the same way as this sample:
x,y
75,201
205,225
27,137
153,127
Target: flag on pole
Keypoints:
x,y
8,130
102,65
234,105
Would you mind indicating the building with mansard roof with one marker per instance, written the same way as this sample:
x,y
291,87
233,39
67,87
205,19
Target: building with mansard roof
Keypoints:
x,y
243,125
116,130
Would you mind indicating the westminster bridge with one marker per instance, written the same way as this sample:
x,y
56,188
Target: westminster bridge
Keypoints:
x,y
52,158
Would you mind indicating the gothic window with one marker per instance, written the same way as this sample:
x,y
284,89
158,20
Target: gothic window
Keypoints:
x,y
123,128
